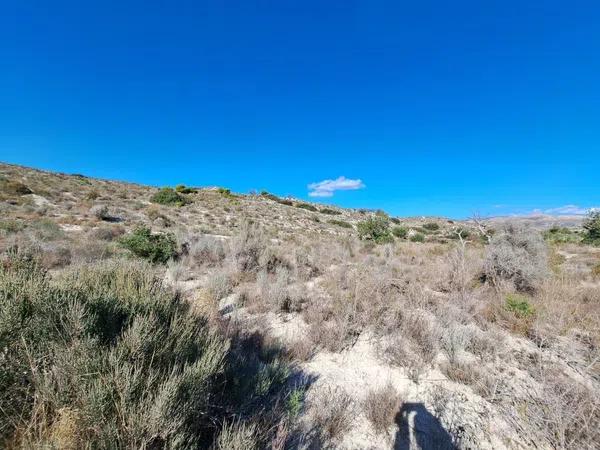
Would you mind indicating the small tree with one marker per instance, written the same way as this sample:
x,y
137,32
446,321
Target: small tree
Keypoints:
x,y
157,248
375,228
591,225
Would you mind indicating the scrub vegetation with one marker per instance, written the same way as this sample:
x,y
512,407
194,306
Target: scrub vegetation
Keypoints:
x,y
132,317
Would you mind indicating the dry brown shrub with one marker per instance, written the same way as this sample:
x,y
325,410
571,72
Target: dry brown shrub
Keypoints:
x,y
381,406
65,432
301,349
519,255
460,371
333,413
565,413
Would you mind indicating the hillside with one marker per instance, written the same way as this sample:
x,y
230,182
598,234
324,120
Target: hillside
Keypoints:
x,y
306,325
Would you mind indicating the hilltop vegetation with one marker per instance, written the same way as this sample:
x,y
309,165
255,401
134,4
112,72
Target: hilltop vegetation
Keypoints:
x,y
136,317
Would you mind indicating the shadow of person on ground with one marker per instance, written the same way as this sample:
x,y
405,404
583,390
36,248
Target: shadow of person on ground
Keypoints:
x,y
427,432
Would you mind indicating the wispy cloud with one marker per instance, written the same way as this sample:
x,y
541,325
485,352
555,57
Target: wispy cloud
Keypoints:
x,y
327,188
573,210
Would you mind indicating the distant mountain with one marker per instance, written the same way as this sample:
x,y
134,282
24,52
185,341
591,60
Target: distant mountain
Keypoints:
x,y
540,221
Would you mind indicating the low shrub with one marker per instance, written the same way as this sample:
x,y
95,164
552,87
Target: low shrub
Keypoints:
x,y
248,248
306,206
417,237
104,356
518,255
14,188
224,191
376,228
273,197
334,414
341,223
107,233
381,406
294,402
431,226
183,189
157,248
93,194
46,230
100,212
400,232
561,235
519,305
168,196
591,225
458,233
11,226
461,372
329,211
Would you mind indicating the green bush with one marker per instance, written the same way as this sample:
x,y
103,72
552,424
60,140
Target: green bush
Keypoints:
x,y
331,212
105,357
168,196
431,226
46,230
183,189
273,197
519,305
400,232
464,234
11,226
224,191
591,225
417,237
306,206
157,248
341,223
561,235
376,229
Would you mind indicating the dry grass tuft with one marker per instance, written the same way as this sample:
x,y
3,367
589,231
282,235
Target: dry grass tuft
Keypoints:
x,y
381,406
334,414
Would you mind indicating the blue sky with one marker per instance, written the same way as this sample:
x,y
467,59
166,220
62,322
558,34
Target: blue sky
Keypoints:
x,y
438,108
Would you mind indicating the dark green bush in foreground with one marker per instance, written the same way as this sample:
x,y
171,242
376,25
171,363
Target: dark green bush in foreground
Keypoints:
x,y
104,357
157,248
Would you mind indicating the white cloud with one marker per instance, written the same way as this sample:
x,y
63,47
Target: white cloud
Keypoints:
x,y
574,210
326,188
